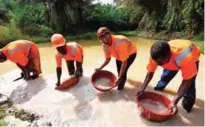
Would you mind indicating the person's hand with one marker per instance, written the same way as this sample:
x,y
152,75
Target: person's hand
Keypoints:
x,y
98,69
173,108
78,74
58,83
34,76
117,81
140,92
25,76
22,74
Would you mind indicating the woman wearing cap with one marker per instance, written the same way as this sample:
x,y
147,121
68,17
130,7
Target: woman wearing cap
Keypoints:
x,y
71,52
119,47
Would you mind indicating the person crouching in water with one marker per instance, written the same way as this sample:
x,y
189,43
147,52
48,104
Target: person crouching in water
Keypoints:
x,y
25,55
71,52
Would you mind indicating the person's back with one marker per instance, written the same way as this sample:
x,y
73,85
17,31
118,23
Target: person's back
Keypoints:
x,y
13,49
120,48
121,42
25,55
183,54
178,46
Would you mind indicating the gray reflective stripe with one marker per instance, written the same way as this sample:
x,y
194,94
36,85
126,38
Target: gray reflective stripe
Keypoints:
x,y
180,57
105,47
74,47
120,41
26,46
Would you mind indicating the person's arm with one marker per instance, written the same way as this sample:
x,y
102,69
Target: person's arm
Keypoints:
x,y
107,57
151,67
147,79
23,63
78,55
123,68
189,72
79,66
24,70
58,72
182,89
122,71
107,60
79,70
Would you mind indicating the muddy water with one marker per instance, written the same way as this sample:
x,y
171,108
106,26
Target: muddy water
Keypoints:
x,y
83,105
154,106
103,83
92,54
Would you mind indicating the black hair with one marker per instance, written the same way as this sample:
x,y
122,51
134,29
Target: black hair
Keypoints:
x,y
160,50
2,56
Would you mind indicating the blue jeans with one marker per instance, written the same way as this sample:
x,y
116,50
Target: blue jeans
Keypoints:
x,y
168,75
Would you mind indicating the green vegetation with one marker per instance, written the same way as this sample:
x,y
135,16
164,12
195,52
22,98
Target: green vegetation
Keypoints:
x,y
37,20
3,123
199,40
7,109
2,115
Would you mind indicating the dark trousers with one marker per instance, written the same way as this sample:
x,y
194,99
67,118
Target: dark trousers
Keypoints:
x,y
124,76
189,96
71,67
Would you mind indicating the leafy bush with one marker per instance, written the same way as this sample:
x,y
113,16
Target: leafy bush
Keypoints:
x,y
86,36
199,37
38,30
12,32
38,39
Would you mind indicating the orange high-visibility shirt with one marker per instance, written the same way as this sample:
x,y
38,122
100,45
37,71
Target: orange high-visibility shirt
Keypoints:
x,y
121,48
18,51
185,54
74,52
